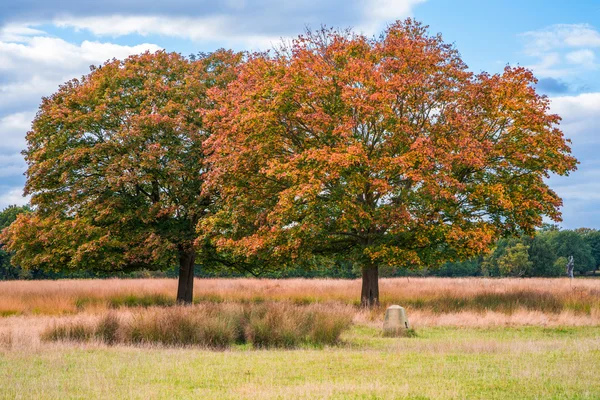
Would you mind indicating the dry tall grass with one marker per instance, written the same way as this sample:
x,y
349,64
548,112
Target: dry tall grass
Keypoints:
x,y
216,326
429,301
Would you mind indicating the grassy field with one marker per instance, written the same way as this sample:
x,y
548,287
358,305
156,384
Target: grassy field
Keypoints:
x,y
499,363
475,338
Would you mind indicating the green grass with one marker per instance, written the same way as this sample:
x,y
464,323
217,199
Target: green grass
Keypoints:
x,y
524,363
127,300
147,300
9,313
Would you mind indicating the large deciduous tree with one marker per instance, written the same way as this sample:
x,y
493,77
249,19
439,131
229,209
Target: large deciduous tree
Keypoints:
x,y
117,166
382,151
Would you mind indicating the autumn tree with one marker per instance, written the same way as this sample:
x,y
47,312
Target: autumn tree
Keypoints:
x,y
116,167
7,217
381,151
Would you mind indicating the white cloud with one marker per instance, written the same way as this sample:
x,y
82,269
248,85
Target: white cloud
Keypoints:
x,y
377,12
580,193
549,66
12,129
41,52
581,190
581,57
18,33
582,35
589,191
35,68
223,28
32,69
120,25
12,196
562,36
11,170
237,27
581,116
562,50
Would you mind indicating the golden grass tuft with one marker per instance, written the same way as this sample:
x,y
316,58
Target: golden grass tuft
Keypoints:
x,y
215,326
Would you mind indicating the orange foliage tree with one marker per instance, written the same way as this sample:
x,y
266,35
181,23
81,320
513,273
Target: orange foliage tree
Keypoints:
x,y
380,151
116,168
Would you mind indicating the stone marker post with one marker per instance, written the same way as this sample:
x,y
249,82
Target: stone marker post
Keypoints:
x,y
395,323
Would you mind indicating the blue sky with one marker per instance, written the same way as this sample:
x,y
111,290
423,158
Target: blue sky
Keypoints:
x,y
44,43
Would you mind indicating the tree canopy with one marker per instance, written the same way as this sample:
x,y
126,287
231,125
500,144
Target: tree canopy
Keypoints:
x,y
116,167
383,151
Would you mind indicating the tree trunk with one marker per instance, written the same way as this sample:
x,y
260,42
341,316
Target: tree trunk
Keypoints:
x,y
370,286
185,289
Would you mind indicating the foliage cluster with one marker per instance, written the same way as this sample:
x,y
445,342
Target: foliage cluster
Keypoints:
x,y
544,254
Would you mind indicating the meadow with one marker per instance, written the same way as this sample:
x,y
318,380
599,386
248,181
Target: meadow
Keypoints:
x,y
473,338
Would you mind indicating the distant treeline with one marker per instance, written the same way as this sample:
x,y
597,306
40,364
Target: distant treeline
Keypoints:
x,y
543,255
